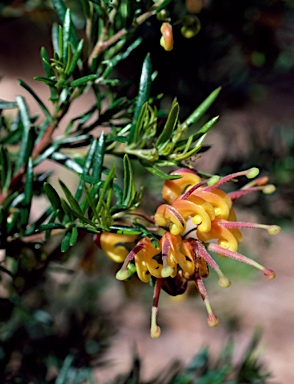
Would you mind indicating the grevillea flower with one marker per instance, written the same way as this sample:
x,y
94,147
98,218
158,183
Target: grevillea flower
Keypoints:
x,y
197,218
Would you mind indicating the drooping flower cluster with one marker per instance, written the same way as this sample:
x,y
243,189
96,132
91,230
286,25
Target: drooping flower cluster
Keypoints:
x,y
195,213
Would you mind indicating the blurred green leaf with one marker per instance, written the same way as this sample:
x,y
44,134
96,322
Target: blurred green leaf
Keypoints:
x,y
36,97
162,5
28,195
72,201
71,66
159,173
65,244
73,236
54,200
6,168
7,104
83,80
66,35
67,161
27,138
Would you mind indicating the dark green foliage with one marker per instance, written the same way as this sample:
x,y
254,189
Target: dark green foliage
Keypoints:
x,y
204,369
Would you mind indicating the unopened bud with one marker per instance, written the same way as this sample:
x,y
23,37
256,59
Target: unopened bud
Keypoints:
x,y
167,41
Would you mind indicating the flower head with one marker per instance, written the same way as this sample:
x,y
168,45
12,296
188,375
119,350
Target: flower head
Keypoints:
x,y
197,218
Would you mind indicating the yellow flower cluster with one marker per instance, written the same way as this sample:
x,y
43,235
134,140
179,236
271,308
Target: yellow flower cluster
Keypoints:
x,y
194,213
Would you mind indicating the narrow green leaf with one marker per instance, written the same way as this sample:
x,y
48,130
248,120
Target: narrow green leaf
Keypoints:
x,y
117,106
205,128
67,162
13,223
198,135
159,173
34,226
27,139
83,80
73,236
51,222
74,61
5,168
45,80
170,124
107,183
141,120
36,97
98,159
65,244
28,195
68,211
86,8
24,112
7,104
72,201
49,227
60,9
162,5
129,190
143,96
60,43
119,57
121,229
91,203
55,40
86,167
46,62
188,153
54,200
203,107
63,374
66,35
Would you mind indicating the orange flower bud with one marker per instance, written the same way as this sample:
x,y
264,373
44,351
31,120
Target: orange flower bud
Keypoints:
x,y
167,40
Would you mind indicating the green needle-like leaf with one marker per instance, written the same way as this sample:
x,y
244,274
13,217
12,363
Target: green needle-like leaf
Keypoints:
x,y
66,35
169,125
72,201
7,104
36,97
5,168
27,139
83,80
129,191
106,186
28,195
162,5
54,200
159,173
73,236
65,244
91,203
74,61
143,96
98,159
203,107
